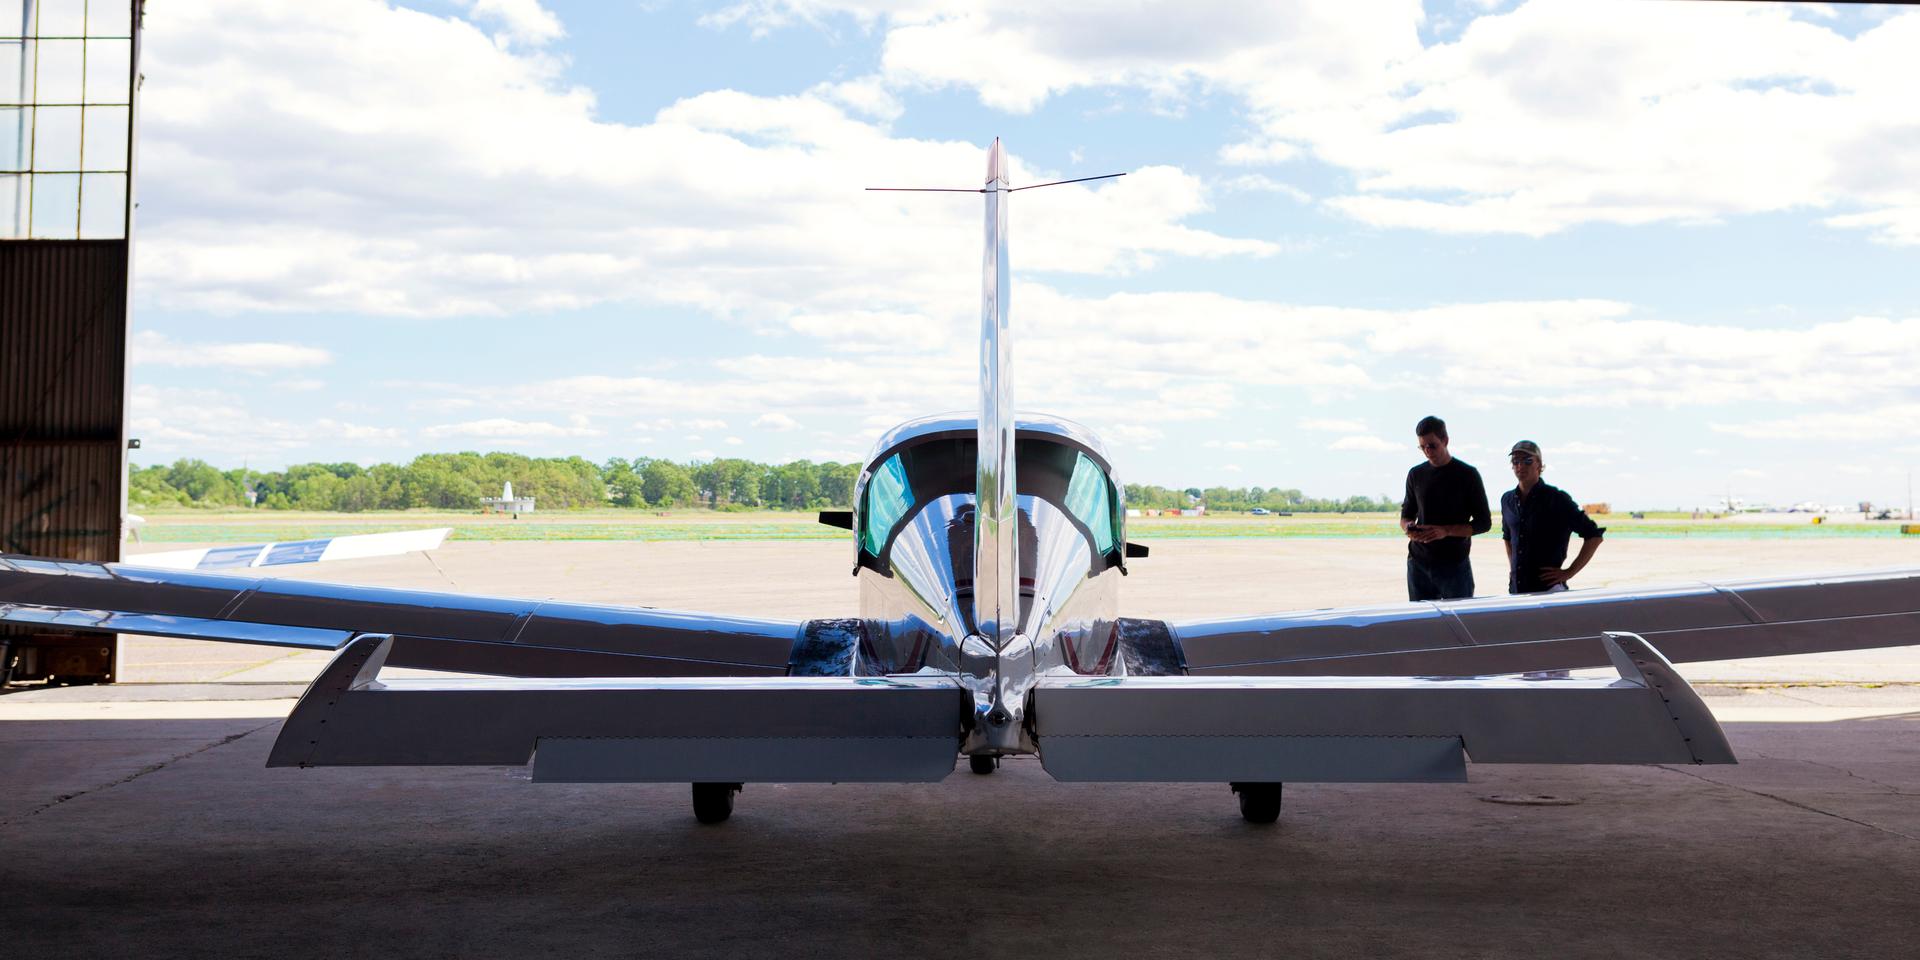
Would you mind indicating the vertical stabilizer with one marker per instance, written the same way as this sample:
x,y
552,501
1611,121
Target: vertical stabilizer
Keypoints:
x,y
996,593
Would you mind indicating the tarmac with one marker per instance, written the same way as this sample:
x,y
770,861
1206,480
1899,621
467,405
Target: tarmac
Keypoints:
x,y
139,820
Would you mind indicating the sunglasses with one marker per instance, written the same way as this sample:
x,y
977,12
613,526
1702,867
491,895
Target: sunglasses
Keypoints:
x,y
1523,461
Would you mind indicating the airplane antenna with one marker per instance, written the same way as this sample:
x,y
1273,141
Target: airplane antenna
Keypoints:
x,y
1030,186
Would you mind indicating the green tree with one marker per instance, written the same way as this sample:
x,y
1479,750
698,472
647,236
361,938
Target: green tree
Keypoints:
x,y
667,484
623,483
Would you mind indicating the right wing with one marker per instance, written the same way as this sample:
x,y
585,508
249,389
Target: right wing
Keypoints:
x,y
1496,635
433,631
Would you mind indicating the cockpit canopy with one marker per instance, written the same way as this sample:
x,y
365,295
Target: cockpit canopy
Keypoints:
x,y
922,461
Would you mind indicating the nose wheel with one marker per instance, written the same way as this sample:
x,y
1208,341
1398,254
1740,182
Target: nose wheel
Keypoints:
x,y
1259,802
982,764
713,802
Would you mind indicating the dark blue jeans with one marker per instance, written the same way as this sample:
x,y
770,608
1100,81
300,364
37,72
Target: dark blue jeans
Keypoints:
x,y
1444,581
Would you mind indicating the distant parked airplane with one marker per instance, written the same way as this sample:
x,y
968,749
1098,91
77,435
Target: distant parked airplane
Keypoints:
x,y
989,551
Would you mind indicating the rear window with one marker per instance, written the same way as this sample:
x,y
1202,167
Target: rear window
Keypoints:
x,y
888,499
1089,499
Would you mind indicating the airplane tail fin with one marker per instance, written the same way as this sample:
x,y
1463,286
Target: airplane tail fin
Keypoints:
x,y
996,566
996,589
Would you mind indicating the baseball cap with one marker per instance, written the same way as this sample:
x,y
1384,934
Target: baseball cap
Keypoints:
x,y
1528,447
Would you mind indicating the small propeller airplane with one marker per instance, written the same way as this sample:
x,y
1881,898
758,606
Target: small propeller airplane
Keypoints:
x,y
989,550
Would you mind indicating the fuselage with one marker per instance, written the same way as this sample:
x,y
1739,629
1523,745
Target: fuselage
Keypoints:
x,y
914,542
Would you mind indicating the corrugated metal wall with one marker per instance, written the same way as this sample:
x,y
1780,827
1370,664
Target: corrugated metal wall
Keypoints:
x,y
63,359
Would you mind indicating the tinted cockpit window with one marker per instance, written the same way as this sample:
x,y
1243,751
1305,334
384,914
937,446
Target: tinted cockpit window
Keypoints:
x,y
1088,499
888,499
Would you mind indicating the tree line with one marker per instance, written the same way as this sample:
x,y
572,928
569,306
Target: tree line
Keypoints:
x,y
457,481
1241,499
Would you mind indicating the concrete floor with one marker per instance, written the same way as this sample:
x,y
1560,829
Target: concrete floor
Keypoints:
x,y
139,820
168,839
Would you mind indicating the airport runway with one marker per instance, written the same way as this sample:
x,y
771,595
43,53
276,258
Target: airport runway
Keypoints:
x,y
139,820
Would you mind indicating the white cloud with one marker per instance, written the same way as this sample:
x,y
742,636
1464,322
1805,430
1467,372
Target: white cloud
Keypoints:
x,y
776,421
1882,422
354,157
1261,183
733,441
523,21
1369,444
173,422
152,348
1333,425
1530,121
1581,448
503,429
1255,154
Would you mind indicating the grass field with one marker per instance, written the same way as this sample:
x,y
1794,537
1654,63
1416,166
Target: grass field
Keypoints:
x,y
238,526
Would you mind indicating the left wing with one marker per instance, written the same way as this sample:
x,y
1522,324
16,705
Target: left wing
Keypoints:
x,y
434,631
704,730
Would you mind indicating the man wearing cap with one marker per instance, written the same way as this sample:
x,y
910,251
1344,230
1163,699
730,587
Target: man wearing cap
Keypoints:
x,y
1446,504
1536,519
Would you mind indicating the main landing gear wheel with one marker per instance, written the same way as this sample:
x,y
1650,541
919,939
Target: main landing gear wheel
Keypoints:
x,y
982,764
1259,802
713,802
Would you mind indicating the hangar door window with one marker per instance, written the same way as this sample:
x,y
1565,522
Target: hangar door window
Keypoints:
x,y
66,118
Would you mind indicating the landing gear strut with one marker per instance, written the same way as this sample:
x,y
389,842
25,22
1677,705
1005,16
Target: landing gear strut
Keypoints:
x,y
1259,802
713,802
983,764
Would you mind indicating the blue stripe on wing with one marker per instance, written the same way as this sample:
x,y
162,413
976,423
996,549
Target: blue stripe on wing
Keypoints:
x,y
223,558
298,551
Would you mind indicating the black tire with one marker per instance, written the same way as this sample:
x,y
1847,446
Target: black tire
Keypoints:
x,y
982,764
713,802
1259,802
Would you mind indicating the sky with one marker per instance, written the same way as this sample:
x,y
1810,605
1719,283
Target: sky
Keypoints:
x,y
1676,244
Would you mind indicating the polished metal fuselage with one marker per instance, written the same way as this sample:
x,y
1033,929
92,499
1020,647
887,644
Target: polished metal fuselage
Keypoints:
x,y
919,614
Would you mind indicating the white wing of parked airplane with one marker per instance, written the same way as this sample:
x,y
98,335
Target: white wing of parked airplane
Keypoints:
x,y
278,554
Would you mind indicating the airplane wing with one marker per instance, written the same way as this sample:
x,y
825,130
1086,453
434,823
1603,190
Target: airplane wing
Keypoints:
x,y
1512,634
433,631
257,555
1370,729
602,730
585,692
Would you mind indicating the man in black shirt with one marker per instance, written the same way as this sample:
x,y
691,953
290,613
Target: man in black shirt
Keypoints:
x,y
1536,518
1446,504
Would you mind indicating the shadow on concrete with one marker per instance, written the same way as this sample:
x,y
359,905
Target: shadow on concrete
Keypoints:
x,y
183,844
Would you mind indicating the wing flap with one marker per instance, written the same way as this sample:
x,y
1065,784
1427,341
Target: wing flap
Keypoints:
x,y
1370,728
738,730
